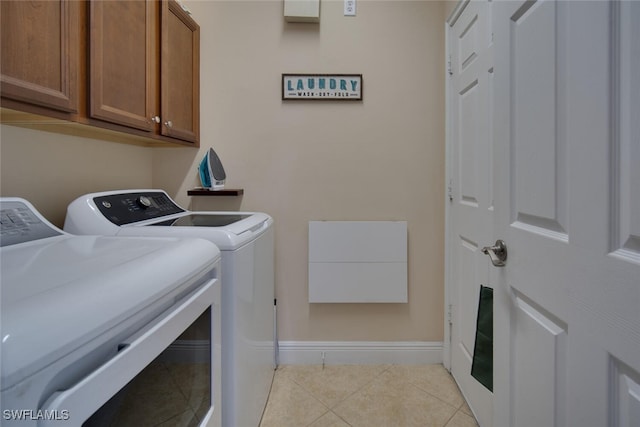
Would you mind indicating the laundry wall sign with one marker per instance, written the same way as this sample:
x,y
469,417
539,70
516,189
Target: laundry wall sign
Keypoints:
x,y
325,87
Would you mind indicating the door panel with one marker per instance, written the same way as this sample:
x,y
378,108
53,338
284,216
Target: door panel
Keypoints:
x,y
468,296
626,411
469,40
539,201
541,349
627,152
567,324
469,116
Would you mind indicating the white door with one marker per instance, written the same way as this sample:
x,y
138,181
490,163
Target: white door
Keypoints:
x,y
567,175
470,209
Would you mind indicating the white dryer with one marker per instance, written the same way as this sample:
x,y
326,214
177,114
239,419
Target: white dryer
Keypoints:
x,y
86,320
246,241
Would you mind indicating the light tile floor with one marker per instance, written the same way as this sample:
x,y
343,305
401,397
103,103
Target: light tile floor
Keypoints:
x,y
365,396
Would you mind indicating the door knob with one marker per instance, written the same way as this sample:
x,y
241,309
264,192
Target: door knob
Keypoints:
x,y
497,253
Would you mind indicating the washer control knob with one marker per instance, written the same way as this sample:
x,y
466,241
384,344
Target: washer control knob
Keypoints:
x,y
144,202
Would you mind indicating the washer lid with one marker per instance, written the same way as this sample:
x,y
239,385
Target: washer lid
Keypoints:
x,y
204,220
62,292
248,227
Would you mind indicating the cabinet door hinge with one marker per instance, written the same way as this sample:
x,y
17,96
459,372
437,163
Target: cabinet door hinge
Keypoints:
x,y
449,68
450,314
450,190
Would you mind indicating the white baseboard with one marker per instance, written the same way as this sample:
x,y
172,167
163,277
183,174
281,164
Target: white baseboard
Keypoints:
x,y
359,352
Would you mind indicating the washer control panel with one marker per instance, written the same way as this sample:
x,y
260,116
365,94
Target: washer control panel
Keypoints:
x,y
19,224
128,208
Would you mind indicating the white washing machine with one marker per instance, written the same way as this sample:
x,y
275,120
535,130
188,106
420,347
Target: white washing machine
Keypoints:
x,y
246,241
98,331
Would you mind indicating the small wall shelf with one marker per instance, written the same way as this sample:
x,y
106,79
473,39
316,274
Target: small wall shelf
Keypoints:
x,y
223,192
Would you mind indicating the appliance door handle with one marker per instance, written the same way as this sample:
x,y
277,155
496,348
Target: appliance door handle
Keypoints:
x,y
87,396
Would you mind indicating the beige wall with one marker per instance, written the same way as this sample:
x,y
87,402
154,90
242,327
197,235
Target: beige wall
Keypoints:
x,y
50,170
379,159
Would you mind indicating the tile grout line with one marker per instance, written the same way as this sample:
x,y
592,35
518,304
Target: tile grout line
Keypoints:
x,y
330,409
407,382
310,394
439,398
264,410
387,367
321,415
450,418
457,408
343,420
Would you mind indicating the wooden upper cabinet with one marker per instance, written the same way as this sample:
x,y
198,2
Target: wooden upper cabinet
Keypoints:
x,y
123,62
135,83
125,66
180,74
40,53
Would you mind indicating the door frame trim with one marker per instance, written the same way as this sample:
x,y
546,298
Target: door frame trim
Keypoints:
x,y
448,265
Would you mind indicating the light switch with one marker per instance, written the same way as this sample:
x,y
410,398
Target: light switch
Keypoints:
x,y
349,7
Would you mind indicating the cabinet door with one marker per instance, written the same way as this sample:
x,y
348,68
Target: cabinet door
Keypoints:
x,y
40,51
180,74
123,65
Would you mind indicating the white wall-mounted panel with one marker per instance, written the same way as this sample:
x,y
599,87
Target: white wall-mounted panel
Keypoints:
x,y
337,282
357,241
358,262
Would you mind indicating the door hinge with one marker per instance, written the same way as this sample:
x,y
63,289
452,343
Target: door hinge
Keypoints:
x,y
449,68
450,314
450,190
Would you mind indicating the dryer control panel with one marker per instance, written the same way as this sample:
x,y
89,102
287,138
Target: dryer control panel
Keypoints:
x,y
127,208
19,223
